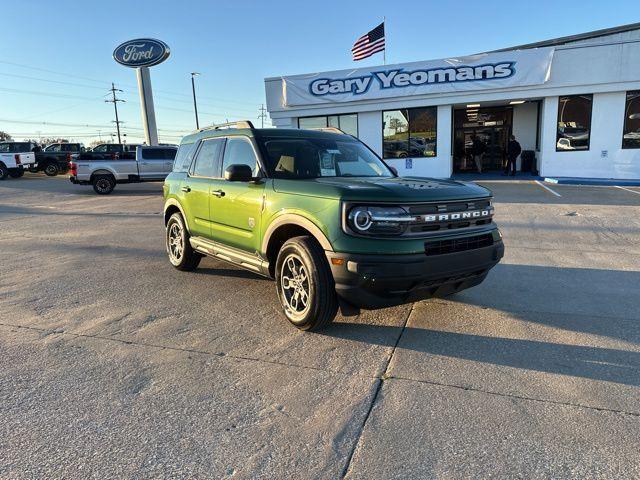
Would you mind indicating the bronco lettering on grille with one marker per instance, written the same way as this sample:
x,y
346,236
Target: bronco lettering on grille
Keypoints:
x,y
448,217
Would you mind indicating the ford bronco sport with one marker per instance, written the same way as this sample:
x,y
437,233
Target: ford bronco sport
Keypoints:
x,y
325,217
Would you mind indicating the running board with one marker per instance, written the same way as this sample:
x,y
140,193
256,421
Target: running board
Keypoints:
x,y
231,255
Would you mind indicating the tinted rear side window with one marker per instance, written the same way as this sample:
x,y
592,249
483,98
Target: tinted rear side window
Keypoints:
x,y
208,159
183,157
159,153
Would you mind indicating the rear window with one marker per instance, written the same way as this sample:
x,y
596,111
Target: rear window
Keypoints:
x,y
159,153
183,158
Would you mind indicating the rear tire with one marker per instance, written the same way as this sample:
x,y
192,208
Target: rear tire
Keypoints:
x,y
305,284
103,184
181,255
4,171
51,170
16,173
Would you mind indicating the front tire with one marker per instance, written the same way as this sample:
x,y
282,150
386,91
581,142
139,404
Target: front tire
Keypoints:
x,y
51,170
4,171
104,184
181,255
305,285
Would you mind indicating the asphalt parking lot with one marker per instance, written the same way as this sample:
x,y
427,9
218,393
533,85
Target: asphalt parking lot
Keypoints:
x,y
113,364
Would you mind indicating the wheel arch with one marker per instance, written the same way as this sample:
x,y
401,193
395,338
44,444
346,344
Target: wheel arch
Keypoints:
x,y
287,226
172,206
102,171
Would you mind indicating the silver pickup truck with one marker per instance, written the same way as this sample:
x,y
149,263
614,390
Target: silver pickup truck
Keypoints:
x,y
152,164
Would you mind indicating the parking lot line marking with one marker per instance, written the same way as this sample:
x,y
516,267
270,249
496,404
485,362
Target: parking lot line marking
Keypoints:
x,y
627,189
547,188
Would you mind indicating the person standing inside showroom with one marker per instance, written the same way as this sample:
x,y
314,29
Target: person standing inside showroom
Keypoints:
x,y
513,150
478,148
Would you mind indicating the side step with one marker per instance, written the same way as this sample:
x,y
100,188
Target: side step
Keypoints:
x,y
231,255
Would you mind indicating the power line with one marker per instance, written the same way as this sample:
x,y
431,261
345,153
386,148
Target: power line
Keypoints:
x,y
103,82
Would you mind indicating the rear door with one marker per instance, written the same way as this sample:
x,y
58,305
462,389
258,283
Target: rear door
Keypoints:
x,y
195,190
151,164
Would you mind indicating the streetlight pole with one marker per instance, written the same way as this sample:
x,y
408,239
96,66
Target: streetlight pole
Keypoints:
x,y
195,105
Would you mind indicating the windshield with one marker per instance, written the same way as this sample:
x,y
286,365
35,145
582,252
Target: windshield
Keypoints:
x,y
297,157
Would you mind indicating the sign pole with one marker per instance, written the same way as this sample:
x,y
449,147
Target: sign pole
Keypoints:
x,y
146,106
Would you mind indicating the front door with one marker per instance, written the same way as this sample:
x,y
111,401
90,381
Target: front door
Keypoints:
x,y
236,207
492,126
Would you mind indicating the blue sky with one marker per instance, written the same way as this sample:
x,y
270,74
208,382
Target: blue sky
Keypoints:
x,y
56,56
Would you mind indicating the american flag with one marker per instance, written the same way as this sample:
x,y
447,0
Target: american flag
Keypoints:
x,y
369,44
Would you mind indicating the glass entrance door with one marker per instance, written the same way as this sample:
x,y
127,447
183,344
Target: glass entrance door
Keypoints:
x,y
483,130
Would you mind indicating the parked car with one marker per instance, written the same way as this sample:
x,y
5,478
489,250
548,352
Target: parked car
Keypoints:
x,y
15,158
54,159
326,218
148,165
110,151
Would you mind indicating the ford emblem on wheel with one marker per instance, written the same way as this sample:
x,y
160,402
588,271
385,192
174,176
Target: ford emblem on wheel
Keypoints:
x,y
141,52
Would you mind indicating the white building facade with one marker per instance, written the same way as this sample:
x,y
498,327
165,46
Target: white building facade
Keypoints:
x,y
572,103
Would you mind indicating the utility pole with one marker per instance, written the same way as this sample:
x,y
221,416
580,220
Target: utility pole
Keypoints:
x,y
263,114
115,101
193,89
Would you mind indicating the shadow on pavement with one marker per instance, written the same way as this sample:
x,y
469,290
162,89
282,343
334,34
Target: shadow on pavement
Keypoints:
x,y
587,301
606,364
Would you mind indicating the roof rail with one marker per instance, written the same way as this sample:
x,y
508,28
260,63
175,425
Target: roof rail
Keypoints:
x,y
238,124
326,129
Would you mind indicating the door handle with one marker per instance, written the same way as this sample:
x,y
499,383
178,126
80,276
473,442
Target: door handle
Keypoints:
x,y
186,189
217,193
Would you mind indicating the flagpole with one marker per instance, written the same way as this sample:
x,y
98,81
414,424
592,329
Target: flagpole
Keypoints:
x,y
384,52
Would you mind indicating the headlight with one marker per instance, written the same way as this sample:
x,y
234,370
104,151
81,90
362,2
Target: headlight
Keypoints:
x,y
378,221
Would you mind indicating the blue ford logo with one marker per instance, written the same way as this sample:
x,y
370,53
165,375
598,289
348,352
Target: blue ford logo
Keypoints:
x,y
142,52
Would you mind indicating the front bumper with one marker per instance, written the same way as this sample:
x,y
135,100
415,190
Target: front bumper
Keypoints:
x,y
377,281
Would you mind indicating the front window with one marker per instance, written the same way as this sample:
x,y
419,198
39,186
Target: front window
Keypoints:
x,y
409,133
631,135
347,123
574,122
56,147
297,158
239,151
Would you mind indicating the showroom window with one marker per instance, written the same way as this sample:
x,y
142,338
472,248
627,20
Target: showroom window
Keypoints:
x,y
574,123
409,132
631,132
347,123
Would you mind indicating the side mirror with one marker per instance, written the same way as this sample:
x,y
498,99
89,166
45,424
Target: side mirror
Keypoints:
x,y
394,170
238,173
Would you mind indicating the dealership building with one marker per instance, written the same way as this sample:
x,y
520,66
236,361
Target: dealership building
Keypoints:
x,y
573,103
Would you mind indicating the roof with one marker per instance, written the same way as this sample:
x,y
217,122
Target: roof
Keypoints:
x,y
553,42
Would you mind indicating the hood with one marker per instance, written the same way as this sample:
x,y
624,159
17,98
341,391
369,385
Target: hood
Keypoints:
x,y
406,189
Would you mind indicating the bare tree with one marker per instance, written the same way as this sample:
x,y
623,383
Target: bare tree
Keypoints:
x,y
5,137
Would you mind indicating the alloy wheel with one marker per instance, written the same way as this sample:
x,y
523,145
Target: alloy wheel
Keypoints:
x,y
295,286
175,242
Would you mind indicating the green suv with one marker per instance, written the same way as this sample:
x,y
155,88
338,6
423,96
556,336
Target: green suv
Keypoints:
x,y
325,217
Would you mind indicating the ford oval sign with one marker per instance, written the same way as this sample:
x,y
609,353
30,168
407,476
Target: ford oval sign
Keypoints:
x,y
142,52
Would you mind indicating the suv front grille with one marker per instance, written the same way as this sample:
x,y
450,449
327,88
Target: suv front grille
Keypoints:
x,y
449,215
440,247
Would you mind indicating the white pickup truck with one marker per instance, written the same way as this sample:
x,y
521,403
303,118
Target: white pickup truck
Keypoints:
x,y
151,164
16,158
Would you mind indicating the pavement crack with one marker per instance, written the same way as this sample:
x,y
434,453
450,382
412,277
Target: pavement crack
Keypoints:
x,y
380,380
186,350
518,397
